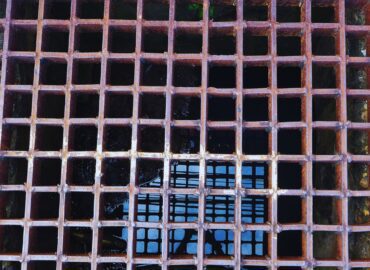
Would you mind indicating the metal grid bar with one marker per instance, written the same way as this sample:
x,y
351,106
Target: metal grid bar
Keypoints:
x,y
74,58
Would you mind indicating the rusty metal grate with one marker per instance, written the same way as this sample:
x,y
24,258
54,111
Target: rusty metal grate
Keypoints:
x,y
117,115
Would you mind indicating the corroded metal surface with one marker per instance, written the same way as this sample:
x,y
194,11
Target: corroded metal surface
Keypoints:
x,y
69,142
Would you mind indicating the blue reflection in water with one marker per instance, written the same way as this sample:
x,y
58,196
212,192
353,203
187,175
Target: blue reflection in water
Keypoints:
x,y
184,208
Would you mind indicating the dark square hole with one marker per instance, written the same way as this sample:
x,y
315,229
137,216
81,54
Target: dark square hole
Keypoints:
x,y
324,76
326,210
184,174
187,75
79,206
326,246
183,208
221,141
90,9
150,173
219,208
255,108
356,109
357,77
288,45
221,42
47,171
11,239
153,73
55,39
148,243
117,138
53,72
188,41
20,71
149,207
290,141
22,38
84,105
289,109
323,14
45,205
255,175
324,142
255,77
289,77
2,15
185,107
113,241
57,9
114,206
77,241
355,248
254,12
15,137
358,143
79,266
17,104
289,209
122,40
323,44
116,172
255,142
215,113
48,245
151,139
188,10
324,108
156,10
6,264
118,105
289,175
183,242
220,174
13,204
221,11
88,39
81,171
356,217
357,175
290,244
111,266
83,138
255,44
49,138
13,171
222,76
219,242
285,14
47,265
254,209
185,140
86,72
324,176
50,105
120,73
155,40
355,14
25,9
356,45
152,106
124,10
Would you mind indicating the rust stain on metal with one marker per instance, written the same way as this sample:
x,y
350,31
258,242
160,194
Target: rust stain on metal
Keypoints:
x,y
52,66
